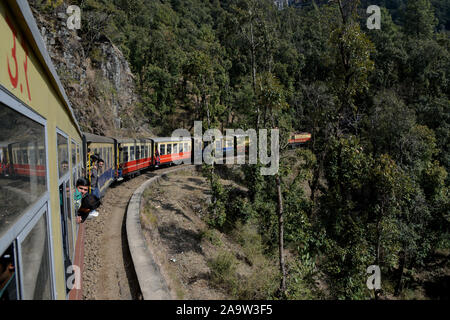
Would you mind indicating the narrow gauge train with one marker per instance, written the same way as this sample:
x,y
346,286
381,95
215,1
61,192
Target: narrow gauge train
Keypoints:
x,y
42,154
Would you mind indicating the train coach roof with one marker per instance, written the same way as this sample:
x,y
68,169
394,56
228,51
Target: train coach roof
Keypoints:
x,y
170,139
95,138
128,140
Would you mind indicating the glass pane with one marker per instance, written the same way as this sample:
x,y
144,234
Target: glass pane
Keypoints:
x,y
21,183
63,155
36,263
74,155
8,279
78,154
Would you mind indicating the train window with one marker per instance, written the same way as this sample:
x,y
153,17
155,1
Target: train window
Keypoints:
x,y
78,154
41,157
144,155
175,148
74,155
25,156
108,154
8,279
186,147
21,184
66,222
138,153
125,154
181,148
63,155
132,153
35,263
169,149
162,149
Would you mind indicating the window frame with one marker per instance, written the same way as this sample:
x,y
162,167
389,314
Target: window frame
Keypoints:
x,y
10,236
18,245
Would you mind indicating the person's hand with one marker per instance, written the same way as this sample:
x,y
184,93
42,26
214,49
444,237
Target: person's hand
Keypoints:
x,y
78,219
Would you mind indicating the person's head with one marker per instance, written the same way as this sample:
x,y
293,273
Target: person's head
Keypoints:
x,y
65,165
6,266
101,163
83,186
89,203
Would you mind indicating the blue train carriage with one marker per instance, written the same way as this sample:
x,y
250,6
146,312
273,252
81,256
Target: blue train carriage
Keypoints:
x,y
40,143
104,148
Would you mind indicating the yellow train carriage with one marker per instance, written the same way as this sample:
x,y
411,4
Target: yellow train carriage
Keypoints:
x,y
38,230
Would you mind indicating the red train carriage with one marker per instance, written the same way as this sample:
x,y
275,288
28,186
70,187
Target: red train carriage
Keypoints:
x,y
299,138
169,149
134,155
23,160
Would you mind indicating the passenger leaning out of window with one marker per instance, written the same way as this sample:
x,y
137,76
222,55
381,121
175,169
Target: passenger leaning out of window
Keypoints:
x,y
88,205
82,188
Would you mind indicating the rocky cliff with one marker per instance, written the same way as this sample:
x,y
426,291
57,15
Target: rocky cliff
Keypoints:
x,y
97,80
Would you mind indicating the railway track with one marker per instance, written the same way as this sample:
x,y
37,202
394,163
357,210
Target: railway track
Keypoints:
x,y
108,269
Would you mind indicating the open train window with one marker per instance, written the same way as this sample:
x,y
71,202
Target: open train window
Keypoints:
x,y
132,153
162,149
169,149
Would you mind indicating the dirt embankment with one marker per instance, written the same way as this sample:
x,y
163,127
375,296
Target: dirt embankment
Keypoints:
x,y
196,261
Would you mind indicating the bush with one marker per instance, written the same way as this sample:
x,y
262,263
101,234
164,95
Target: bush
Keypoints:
x,y
223,271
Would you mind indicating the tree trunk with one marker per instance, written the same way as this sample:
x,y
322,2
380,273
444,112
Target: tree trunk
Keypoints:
x,y
401,268
281,236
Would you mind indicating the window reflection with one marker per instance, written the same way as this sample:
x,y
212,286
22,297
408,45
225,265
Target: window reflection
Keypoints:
x,y
36,263
63,155
8,283
23,171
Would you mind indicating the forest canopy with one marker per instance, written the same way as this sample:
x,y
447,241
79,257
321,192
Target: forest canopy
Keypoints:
x,y
376,102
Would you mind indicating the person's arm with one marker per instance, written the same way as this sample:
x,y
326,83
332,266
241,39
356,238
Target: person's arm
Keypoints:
x,y
83,216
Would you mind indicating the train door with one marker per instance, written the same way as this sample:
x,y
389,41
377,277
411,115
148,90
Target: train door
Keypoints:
x,y
65,202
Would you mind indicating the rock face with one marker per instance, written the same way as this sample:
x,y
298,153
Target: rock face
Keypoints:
x,y
97,78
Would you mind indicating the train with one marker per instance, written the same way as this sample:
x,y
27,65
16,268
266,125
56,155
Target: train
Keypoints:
x,y
43,152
